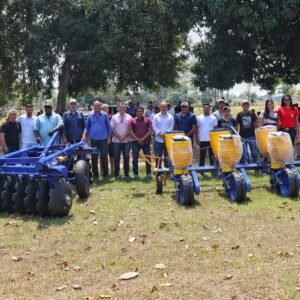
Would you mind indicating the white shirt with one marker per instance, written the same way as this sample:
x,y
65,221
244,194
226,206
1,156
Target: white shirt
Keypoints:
x,y
27,132
162,124
205,125
171,111
121,124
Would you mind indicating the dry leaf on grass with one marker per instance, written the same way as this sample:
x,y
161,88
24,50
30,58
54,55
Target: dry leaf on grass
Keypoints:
x,y
89,298
105,296
129,275
160,266
227,277
131,239
153,289
61,288
77,287
92,212
215,246
235,247
76,268
168,284
16,258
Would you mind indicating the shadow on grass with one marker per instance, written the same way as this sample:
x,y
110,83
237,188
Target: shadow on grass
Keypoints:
x,y
272,190
121,179
224,195
194,205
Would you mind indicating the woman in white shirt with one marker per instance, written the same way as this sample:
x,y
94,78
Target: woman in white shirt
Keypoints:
x,y
269,115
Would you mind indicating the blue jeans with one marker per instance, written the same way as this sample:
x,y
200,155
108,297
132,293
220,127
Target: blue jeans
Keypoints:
x,y
123,148
136,148
251,141
160,150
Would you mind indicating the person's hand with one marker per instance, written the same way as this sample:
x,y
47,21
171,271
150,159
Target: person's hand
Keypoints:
x,y
108,141
51,132
198,142
5,149
38,140
83,138
162,135
121,138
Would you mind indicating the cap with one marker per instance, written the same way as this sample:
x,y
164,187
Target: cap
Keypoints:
x,y
48,103
226,108
184,104
221,100
245,101
72,100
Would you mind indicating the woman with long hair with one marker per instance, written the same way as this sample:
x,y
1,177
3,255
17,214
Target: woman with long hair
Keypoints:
x,y
288,117
269,115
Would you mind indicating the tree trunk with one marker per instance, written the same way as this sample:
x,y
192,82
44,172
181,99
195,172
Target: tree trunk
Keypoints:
x,y
64,81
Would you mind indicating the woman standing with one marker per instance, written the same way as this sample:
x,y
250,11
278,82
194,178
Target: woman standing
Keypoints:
x,y
288,117
269,115
10,133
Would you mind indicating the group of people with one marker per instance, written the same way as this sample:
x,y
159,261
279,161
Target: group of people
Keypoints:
x,y
133,129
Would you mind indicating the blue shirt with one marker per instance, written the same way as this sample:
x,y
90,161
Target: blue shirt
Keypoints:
x,y
44,124
74,125
98,126
185,123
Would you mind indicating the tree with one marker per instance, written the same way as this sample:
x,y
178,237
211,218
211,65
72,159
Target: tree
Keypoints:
x,y
252,41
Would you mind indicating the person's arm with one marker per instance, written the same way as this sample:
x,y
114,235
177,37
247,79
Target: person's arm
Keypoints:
x,y
149,132
2,137
279,118
255,121
215,123
36,130
128,128
154,126
238,123
176,123
109,131
297,124
171,124
197,133
114,131
59,126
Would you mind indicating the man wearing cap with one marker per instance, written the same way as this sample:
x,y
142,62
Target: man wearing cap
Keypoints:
x,y
227,121
74,123
162,123
186,121
46,124
98,129
219,113
247,122
27,121
205,123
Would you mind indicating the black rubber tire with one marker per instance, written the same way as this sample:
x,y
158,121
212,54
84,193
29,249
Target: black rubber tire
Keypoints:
x,y
237,187
290,186
82,179
60,199
159,184
30,200
2,183
185,195
6,195
42,197
19,196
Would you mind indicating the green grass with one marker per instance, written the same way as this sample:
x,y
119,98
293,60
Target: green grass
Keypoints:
x,y
214,250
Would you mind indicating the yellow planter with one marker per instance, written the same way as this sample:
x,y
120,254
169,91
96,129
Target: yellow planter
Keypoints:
x,y
214,139
261,135
181,152
168,140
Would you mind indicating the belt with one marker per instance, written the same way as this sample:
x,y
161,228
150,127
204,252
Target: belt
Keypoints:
x,y
287,129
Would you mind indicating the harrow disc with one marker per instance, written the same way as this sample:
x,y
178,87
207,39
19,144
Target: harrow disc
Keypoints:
x,y
60,199
30,200
43,198
82,179
6,195
2,183
19,195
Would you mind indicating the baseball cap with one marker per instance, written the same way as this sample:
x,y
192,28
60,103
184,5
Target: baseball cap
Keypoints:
x,y
221,100
226,108
184,104
245,101
48,103
72,100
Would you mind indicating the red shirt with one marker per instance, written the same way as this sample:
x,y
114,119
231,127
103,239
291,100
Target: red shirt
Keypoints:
x,y
287,117
140,127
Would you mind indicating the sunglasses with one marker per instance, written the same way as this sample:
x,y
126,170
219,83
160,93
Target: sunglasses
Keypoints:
x,y
48,106
73,103
287,99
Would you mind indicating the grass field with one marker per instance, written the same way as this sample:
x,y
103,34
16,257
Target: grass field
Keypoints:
x,y
213,250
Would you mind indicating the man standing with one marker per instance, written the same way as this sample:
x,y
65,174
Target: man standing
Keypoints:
x,y
162,123
219,113
186,121
247,122
140,130
149,110
170,109
74,123
205,123
27,121
227,121
46,124
131,110
98,129
120,124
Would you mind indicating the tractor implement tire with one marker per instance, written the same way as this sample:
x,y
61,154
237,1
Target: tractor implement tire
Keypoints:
x,y
19,196
82,179
30,200
42,197
237,187
159,184
2,183
6,195
60,199
185,193
287,184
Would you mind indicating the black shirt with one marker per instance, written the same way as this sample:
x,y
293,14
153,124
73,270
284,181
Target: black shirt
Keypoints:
x,y
227,124
12,133
247,123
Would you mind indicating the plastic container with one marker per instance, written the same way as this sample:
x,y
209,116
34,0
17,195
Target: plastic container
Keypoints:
x,y
230,151
168,139
261,135
181,152
214,139
280,147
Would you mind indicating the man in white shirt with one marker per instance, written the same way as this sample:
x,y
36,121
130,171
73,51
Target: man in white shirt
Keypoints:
x,y
27,121
162,122
120,124
205,123
219,113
